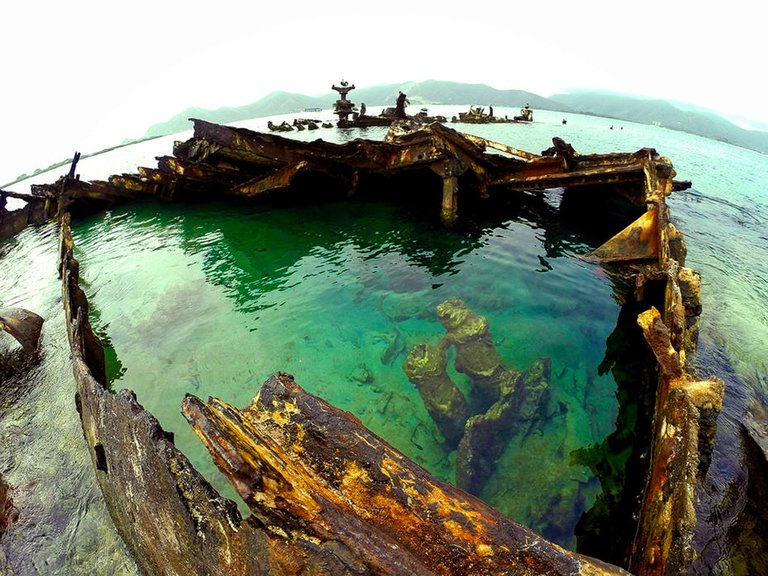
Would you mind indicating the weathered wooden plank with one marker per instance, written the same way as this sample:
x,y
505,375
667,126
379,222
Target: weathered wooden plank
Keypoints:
x,y
313,469
664,541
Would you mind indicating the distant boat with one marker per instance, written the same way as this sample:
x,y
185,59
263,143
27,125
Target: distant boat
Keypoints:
x,y
313,109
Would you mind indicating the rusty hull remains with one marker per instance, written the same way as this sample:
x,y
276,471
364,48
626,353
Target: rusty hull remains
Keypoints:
x,y
328,496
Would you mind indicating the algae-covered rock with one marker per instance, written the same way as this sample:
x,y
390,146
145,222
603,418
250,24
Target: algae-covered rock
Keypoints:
x,y
533,389
476,355
514,414
425,367
486,436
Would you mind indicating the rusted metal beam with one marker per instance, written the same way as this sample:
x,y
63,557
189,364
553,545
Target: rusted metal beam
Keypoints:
x,y
545,178
19,196
664,541
36,210
638,241
276,180
501,147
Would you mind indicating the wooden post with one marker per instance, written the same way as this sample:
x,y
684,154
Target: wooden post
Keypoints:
x,y
449,170
63,202
449,208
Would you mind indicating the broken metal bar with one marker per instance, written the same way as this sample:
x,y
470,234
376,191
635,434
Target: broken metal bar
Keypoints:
x,y
276,180
501,147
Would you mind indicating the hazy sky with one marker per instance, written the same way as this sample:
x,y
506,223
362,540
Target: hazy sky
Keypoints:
x,y
84,75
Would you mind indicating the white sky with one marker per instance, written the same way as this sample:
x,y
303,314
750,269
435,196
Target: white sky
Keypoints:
x,y
83,75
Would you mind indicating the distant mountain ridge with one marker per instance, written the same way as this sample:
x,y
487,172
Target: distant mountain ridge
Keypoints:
x,y
663,113
434,92
419,94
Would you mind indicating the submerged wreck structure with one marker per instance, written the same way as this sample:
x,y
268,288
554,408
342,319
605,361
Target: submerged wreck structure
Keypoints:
x,y
327,495
478,115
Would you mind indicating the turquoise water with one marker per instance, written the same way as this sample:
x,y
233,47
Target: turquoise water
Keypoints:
x,y
213,299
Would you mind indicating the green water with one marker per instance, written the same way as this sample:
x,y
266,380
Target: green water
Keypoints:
x,y
212,300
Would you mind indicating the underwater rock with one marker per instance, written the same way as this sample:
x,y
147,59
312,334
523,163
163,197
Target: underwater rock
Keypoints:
x,y
282,127
362,374
476,355
401,307
487,435
533,389
394,348
746,538
425,368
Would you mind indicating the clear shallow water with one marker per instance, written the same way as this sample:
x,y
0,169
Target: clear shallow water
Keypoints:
x,y
211,270
63,525
212,300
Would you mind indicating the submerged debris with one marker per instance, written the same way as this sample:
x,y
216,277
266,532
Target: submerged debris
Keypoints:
x,y
505,402
425,367
476,355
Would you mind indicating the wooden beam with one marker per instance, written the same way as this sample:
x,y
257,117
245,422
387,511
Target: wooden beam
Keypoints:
x,y
318,472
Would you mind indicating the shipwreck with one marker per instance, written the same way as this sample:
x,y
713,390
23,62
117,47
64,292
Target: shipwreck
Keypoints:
x,y
328,496
478,115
